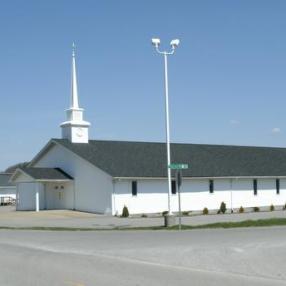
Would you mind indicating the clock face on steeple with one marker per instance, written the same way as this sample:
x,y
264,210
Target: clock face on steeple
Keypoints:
x,y
79,132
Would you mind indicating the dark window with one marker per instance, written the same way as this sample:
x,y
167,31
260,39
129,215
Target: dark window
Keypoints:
x,y
174,187
134,188
211,186
255,187
277,186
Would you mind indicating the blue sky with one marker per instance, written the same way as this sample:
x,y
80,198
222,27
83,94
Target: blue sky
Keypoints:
x,y
227,78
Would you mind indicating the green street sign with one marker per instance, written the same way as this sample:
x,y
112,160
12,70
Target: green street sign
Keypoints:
x,y
178,166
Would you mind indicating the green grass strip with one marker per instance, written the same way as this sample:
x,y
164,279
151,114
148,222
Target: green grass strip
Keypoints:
x,y
246,223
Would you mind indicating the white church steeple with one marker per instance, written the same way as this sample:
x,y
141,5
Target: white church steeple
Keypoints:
x,y
75,128
74,95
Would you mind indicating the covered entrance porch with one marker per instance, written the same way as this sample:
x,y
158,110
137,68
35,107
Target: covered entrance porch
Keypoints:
x,y
43,189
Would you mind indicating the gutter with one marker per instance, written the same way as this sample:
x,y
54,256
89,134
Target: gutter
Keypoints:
x,y
199,178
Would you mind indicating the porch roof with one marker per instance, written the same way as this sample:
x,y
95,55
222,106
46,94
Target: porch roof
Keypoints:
x,y
46,174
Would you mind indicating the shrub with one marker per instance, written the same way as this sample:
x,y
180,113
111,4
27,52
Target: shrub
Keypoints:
x,y
186,213
205,211
256,209
284,207
222,208
143,215
271,208
125,212
241,210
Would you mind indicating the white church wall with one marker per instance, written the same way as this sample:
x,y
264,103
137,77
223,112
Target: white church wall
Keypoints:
x,y
59,196
243,194
195,194
26,196
93,187
281,198
152,195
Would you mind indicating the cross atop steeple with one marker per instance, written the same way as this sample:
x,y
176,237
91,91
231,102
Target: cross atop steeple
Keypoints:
x,y
75,128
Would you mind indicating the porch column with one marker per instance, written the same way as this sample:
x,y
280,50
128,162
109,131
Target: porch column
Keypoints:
x,y
37,197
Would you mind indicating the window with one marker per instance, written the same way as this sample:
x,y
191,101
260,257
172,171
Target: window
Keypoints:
x,y
174,187
277,186
211,186
255,187
134,188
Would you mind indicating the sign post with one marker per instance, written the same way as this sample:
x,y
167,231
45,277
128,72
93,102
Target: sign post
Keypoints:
x,y
179,177
179,183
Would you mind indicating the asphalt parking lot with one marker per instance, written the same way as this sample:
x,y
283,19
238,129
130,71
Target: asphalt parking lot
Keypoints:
x,y
252,256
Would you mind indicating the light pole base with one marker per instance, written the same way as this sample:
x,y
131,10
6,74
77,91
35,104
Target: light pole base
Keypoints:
x,y
169,220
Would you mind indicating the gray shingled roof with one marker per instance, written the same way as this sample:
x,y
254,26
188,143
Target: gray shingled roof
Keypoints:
x,y
142,159
4,180
46,173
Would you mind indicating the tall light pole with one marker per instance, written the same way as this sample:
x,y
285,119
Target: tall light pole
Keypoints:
x,y
174,44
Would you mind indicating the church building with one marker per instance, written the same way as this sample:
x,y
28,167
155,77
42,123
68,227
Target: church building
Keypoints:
x,y
100,176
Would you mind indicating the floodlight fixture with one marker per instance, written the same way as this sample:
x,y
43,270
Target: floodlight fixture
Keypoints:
x,y
156,42
175,43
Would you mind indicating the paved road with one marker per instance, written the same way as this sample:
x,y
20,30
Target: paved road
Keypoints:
x,y
202,257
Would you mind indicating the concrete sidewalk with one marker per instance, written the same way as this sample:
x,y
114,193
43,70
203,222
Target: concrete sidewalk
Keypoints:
x,y
65,218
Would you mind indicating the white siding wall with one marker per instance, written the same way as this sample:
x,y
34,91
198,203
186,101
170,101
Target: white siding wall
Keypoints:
x,y
151,197
26,196
93,187
152,194
59,196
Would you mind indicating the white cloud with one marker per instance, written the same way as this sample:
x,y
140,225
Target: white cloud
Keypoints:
x,y
276,130
234,122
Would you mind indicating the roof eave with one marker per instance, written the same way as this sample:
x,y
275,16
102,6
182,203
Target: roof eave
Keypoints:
x,y
18,170
198,177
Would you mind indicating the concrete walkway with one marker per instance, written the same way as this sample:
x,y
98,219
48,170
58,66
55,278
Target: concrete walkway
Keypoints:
x,y
65,218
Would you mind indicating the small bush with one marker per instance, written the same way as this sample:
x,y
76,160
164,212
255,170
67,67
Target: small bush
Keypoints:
x,y
185,213
271,208
256,209
143,215
164,213
125,212
205,211
218,212
222,208
241,210
284,207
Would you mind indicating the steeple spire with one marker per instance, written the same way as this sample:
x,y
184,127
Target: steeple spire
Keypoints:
x,y
75,128
74,93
